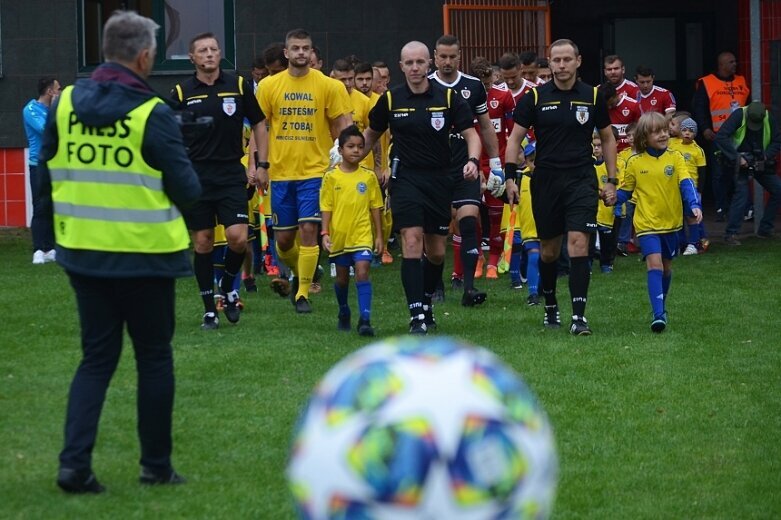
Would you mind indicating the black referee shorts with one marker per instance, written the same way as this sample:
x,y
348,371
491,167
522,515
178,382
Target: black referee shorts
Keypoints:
x,y
420,198
465,192
564,200
223,199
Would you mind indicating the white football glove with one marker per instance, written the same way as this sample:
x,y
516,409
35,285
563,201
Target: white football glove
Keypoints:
x,y
495,184
334,157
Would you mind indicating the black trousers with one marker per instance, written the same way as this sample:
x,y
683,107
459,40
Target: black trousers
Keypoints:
x,y
106,305
42,229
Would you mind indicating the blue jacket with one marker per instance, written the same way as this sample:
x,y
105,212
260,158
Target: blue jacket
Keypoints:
x,y
34,115
112,92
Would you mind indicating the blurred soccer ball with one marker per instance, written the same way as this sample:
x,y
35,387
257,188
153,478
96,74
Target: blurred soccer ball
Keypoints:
x,y
432,428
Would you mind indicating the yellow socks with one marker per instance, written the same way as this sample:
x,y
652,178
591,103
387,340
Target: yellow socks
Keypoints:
x,y
307,263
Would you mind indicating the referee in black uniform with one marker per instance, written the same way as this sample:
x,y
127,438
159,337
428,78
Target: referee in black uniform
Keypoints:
x,y
565,195
420,117
216,155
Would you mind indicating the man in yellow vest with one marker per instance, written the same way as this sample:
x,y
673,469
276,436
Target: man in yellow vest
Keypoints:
x,y
716,96
114,176
750,141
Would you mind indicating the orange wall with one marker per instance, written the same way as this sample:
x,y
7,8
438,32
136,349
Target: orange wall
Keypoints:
x,y
12,188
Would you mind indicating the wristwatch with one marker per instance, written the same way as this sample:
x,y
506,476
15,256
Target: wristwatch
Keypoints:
x,y
262,164
475,160
613,181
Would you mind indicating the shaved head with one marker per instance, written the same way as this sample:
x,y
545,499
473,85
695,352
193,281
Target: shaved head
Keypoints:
x,y
414,47
415,62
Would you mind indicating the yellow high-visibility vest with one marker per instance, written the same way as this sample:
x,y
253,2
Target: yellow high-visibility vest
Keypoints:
x,y
106,197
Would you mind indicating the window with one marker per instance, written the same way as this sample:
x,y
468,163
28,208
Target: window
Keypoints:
x,y
179,21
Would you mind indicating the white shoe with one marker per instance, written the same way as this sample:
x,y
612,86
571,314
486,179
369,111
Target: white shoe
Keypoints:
x,y
50,256
39,257
691,249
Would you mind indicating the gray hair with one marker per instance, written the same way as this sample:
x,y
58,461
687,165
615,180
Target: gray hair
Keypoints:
x,y
126,34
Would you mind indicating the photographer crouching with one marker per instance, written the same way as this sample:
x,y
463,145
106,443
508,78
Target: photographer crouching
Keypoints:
x,y
750,141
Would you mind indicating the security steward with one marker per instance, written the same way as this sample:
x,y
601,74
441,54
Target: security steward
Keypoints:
x,y
114,175
564,187
216,155
420,116
750,141
716,96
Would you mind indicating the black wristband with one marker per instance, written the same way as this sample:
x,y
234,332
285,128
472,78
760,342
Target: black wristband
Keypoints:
x,y
510,170
262,164
475,160
613,181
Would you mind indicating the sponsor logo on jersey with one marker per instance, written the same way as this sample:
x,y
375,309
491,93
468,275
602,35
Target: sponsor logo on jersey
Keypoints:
x,y
438,120
581,115
554,107
229,106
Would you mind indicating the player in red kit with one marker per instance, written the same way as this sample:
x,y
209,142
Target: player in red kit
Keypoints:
x,y
622,111
500,110
653,98
615,75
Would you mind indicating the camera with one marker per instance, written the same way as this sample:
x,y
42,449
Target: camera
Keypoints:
x,y
756,162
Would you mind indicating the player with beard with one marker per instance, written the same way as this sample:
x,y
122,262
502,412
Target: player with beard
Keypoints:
x,y
306,112
467,192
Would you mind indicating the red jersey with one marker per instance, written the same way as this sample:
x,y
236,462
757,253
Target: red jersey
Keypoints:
x,y
500,110
526,86
658,100
626,111
501,105
628,88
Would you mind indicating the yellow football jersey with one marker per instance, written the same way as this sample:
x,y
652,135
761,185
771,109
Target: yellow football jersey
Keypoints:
x,y
350,197
656,182
299,111
605,215
524,221
693,154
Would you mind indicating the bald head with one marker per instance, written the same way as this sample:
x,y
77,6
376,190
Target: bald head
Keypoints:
x,y
727,64
415,62
415,47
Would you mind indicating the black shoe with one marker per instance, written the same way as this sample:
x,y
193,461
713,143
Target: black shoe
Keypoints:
x,y
516,284
303,306
365,328
344,323
473,297
438,296
621,250
231,308
294,290
533,300
428,318
456,283
552,319
281,286
720,215
417,325
250,285
72,481
659,323
152,478
580,327
210,321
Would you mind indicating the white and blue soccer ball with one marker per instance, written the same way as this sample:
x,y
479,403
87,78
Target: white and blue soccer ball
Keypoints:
x,y
423,428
